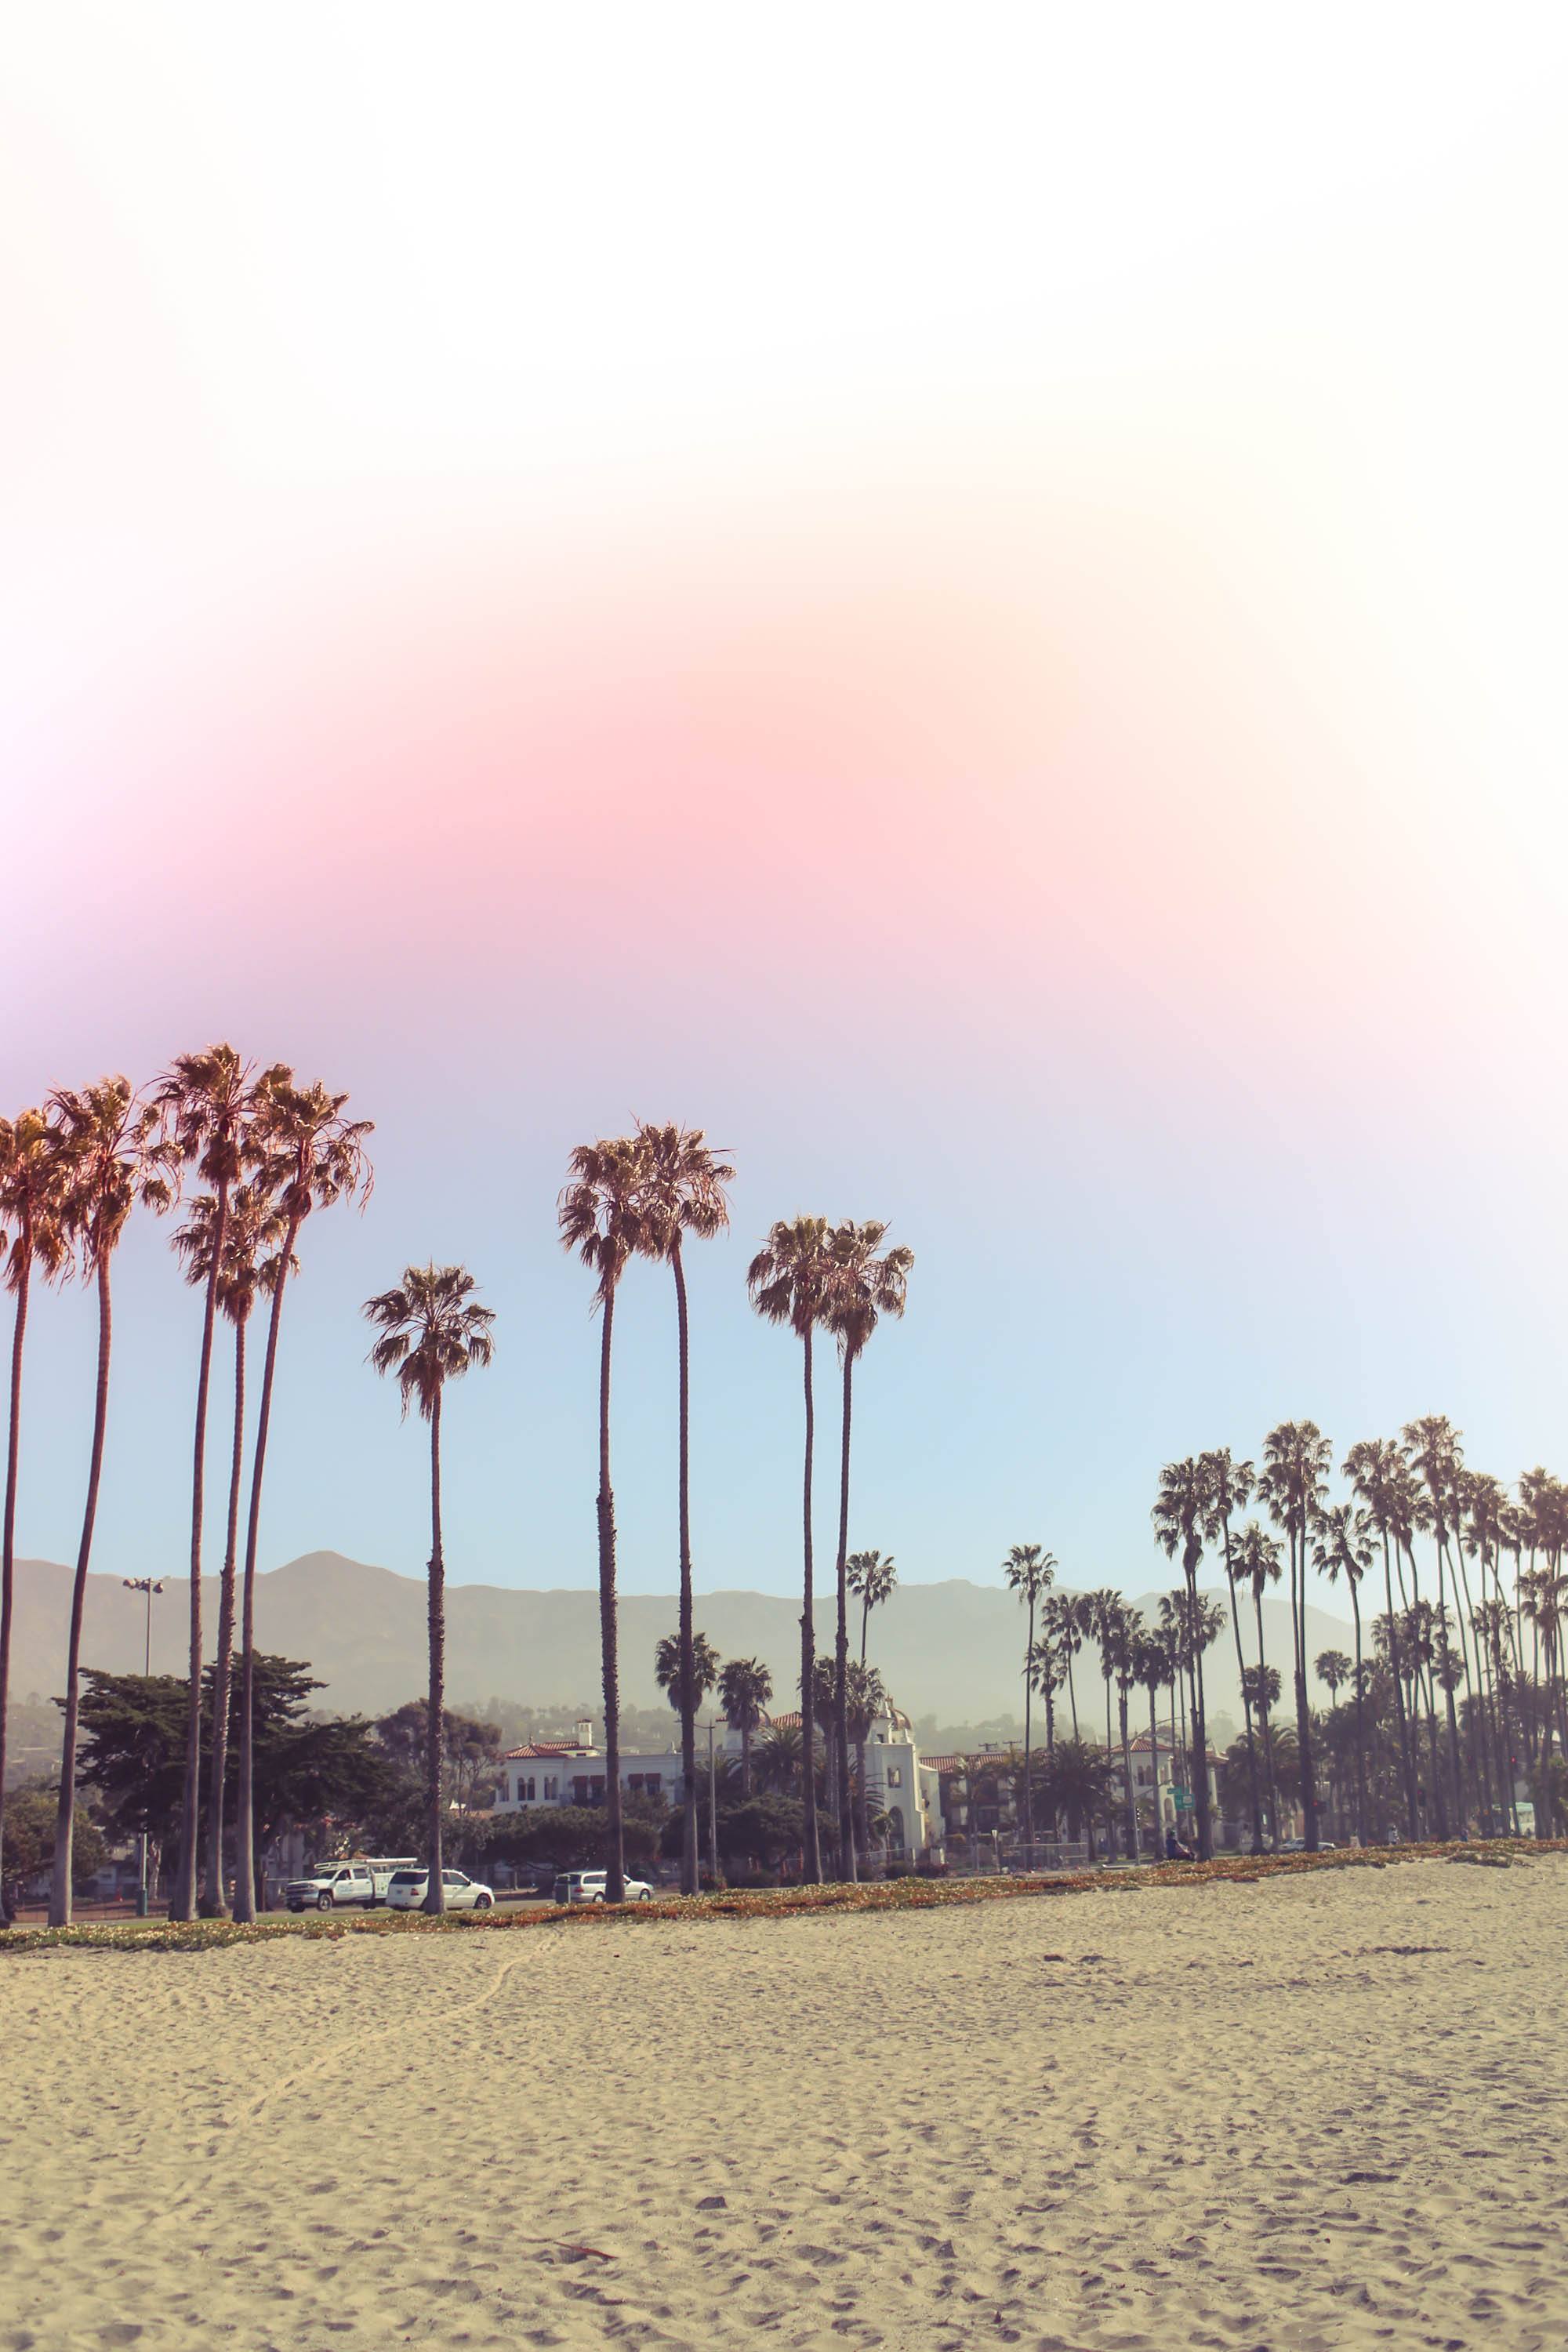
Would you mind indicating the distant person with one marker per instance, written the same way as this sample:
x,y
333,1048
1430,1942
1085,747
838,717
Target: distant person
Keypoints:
x,y
1174,1850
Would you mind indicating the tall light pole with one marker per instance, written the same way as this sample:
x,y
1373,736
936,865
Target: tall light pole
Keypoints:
x,y
144,1584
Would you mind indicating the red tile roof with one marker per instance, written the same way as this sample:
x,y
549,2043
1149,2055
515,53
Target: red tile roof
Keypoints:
x,y
546,1751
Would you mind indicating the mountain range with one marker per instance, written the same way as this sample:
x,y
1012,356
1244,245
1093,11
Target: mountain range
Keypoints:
x,y
952,1651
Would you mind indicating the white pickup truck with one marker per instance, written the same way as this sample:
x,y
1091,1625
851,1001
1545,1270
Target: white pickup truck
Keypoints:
x,y
329,1886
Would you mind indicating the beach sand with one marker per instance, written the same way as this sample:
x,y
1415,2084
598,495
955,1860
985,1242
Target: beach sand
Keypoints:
x,y
1320,2111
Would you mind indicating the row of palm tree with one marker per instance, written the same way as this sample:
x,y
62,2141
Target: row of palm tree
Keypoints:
x,y
73,1172
1505,1699
640,1195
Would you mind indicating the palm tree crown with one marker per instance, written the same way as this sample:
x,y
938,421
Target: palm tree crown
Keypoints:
x,y
432,1332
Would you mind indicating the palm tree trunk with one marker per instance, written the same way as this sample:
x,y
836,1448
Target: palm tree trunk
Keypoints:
x,y
1159,1808
847,1864
1245,1708
1129,1804
615,1876
24,1263
1266,1720
812,1857
1360,1721
1480,1741
214,1902
1072,1688
1200,1725
436,1724
183,1906
1303,1708
689,1863
1406,1754
1444,1654
65,1818
865,1623
245,1856
1030,1736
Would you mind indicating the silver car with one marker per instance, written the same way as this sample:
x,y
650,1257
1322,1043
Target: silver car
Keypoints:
x,y
406,1889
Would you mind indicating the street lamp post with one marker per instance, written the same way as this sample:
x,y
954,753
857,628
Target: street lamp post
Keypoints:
x,y
144,1584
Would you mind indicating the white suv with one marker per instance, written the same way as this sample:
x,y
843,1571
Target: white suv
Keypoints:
x,y
331,1886
588,1886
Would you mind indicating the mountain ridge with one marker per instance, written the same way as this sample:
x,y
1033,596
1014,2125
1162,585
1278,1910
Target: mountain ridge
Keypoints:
x,y
951,1649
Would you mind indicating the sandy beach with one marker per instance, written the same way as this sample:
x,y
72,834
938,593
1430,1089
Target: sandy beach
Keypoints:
x,y
1320,2111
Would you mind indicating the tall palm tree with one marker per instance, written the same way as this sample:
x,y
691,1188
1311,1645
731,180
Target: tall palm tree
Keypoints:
x,y
1375,1469
1296,1459
308,1156
1432,1449
1061,1625
871,1579
432,1330
30,1237
868,1699
112,1159
600,1216
204,1101
1410,1513
670,1670
1126,1659
1152,1667
788,1282
1256,1558
1043,1668
1105,1613
251,1226
683,1193
745,1687
1030,1571
1182,1512
1342,1546
866,1282
1230,1488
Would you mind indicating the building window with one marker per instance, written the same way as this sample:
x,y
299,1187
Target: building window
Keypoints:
x,y
651,1784
551,1789
895,1776
633,1783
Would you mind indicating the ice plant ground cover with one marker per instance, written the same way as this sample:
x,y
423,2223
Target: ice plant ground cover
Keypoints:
x,y
772,1903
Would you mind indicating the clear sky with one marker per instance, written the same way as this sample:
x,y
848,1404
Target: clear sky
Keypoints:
x,y
971,600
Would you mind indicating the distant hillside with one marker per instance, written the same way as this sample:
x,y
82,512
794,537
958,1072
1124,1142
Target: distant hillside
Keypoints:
x,y
950,1651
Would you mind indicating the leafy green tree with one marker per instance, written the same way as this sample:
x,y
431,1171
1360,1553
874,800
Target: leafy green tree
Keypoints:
x,y
1080,1779
433,1330
33,1818
470,1750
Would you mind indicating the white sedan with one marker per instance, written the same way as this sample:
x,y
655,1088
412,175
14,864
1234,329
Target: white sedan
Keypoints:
x,y
406,1888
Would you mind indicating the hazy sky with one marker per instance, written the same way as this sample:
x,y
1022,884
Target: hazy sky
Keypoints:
x,y
972,601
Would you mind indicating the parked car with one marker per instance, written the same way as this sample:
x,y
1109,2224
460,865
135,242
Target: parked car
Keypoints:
x,y
331,1886
588,1886
407,1888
